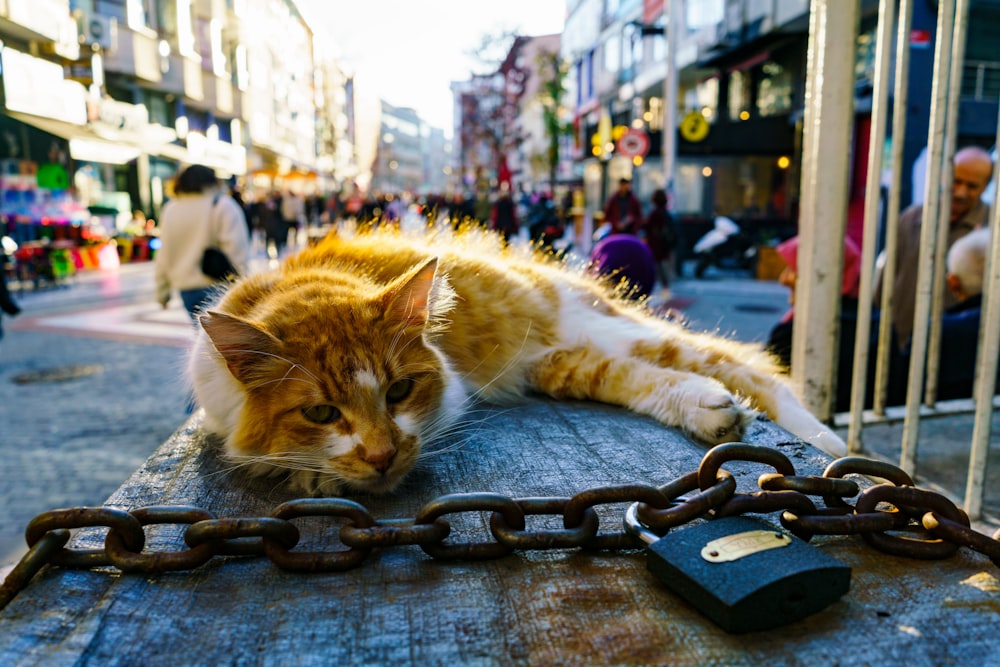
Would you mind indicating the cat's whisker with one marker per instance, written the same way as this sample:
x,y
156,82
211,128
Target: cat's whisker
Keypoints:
x,y
573,337
283,461
292,365
438,430
514,359
284,378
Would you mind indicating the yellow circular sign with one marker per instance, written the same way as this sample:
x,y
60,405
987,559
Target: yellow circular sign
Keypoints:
x,y
694,127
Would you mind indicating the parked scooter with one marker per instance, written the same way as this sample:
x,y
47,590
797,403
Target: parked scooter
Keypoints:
x,y
725,245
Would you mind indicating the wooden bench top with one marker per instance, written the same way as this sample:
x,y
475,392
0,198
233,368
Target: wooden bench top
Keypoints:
x,y
560,607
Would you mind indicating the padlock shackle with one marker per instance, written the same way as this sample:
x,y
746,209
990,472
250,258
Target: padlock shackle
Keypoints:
x,y
635,527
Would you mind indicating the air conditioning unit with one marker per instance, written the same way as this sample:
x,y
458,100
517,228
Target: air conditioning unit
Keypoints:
x,y
97,29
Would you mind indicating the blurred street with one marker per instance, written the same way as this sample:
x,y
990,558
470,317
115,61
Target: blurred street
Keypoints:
x,y
89,384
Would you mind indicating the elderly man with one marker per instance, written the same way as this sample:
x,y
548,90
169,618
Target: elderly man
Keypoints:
x,y
973,169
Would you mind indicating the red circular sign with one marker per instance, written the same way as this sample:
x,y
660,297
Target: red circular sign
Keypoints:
x,y
633,143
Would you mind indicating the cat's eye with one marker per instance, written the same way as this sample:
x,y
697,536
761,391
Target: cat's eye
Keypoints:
x,y
398,390
321,414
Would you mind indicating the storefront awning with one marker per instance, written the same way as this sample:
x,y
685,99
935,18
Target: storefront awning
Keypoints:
x,y
224,166
104,145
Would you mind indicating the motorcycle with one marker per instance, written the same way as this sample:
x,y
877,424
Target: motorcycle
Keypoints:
x,y
726,245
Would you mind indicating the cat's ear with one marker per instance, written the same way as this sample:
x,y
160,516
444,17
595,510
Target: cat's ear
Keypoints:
x,y
244,346
409,301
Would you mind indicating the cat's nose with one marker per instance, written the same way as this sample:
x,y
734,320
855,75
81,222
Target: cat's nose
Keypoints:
x,y
379,457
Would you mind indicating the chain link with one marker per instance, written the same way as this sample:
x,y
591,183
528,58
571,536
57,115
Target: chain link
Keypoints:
x,y
894,517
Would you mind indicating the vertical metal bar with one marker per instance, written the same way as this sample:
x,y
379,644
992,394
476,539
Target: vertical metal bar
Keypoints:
x,y
986,363
928,241
900,101
944,214
675,15
827,128
880,99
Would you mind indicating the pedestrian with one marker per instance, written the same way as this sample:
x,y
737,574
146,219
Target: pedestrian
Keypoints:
x,y
544,225
661,234
973,169
7,303
293,213
966,268
625,257
275,229
201,215
780,338
503,215
623,210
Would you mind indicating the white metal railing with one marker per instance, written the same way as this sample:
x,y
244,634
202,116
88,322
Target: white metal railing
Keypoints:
x,y
827,130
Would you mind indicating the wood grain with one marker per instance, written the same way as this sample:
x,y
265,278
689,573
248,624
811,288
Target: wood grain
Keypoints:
x,y
402,607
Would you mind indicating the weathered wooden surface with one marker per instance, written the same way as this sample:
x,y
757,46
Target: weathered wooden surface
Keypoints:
x,y
402,607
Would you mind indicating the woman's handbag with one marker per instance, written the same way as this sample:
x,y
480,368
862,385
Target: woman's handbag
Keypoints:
x,y
214,263
217,266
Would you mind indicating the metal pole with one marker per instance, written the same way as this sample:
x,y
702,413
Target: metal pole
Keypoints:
x,y
880,99
928,240
986,363
944,213
827,129
675,13
899,100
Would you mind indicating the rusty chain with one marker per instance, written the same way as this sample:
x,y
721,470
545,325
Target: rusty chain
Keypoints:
x,y
894,517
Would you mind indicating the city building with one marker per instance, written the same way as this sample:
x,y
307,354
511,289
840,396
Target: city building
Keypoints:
x,y
399,160
534,164
740,88
108,98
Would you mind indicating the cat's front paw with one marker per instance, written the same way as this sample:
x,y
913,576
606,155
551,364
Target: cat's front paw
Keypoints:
x,y
711,414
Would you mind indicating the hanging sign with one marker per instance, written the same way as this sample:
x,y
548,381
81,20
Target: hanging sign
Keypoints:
x,y
694,127
633,143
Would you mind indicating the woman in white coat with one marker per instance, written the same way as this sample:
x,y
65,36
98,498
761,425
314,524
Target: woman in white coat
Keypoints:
x,y
201,215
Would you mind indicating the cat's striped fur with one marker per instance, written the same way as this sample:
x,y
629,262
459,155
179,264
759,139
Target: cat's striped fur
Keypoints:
x,y
342,363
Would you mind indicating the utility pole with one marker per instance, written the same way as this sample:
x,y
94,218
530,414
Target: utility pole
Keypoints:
x,y
675,12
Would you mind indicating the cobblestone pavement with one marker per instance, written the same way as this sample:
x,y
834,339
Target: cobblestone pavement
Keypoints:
x,y
82,409
89,387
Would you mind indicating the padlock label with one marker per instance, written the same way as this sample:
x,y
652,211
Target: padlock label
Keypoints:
x,y
734,547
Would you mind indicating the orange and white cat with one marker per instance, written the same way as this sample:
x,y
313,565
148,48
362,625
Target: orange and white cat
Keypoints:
x,y
338,366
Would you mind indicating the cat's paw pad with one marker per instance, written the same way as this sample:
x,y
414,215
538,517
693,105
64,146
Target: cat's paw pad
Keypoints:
x,y
714,416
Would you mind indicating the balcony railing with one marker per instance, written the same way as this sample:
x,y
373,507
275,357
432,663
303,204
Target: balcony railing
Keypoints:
x,y
981,80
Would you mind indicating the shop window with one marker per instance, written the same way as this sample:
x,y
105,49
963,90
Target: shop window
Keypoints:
x,y
704,13
864,62
631,54
774,91
112,8
159,110
136,15
166,20
588,80
981,71
707,98
739,95
612,54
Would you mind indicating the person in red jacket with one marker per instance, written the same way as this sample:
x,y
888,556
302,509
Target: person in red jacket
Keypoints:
x,y
623,210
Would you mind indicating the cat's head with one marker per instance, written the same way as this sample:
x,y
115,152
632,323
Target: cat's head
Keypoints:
x,y
341,383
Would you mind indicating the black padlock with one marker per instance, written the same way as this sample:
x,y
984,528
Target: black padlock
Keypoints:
x,y
743,573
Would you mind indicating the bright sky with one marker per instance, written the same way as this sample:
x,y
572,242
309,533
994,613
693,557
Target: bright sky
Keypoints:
x,y
407,52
